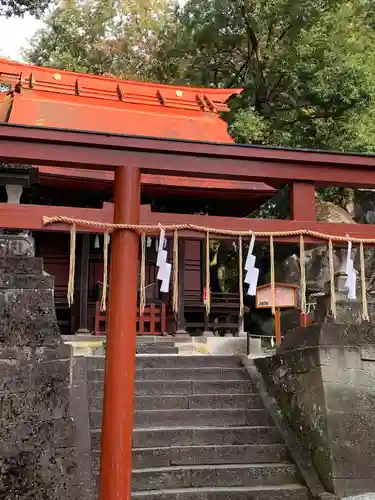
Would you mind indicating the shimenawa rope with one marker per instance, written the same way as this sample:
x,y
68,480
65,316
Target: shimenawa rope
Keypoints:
x,y
201,229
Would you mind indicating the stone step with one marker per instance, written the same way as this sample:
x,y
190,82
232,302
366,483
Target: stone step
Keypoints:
x,y
281,492
190,436
200,373
177,418
155,339
203,455
180,374
201,401
216,475
156,349
173,362
180,387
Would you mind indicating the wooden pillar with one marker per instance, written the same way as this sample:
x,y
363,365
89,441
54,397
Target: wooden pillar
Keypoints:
x,y
181,325
302,201
117,426
303,208
84,286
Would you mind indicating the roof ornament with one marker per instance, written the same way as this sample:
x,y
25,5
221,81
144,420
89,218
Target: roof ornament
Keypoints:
x,y
31,81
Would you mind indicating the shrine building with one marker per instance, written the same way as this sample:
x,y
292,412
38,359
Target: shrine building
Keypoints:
x,y
96,169
47,97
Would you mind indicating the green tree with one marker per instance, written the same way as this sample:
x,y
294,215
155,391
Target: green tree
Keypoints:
x,y
122,38
306,68
20,7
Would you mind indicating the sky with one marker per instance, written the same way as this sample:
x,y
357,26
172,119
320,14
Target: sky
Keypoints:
x,y
14,34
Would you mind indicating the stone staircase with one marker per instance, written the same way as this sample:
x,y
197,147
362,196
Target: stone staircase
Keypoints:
x,y
200,431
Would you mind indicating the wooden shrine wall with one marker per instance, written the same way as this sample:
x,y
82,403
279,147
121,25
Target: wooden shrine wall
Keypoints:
x,y
54,248
193,273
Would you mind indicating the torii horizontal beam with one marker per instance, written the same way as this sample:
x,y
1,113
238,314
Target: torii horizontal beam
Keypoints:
x,y
78,149
30,217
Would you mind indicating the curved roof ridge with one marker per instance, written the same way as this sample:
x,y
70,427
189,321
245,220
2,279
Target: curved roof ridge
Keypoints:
x,y
63,81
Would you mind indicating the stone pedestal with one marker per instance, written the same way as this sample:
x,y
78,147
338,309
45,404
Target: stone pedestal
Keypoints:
x,y
37,434
323,378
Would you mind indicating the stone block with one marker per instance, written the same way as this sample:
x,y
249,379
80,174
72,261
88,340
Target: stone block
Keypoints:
x,y
46,405
24,265
37,433
344,357
345,487
341,397
368,353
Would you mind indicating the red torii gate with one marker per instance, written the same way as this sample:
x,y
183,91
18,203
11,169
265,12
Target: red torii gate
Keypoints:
x,y
128,156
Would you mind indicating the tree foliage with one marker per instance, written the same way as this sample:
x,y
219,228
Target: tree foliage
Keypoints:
x,y
121,38
307,67
20,7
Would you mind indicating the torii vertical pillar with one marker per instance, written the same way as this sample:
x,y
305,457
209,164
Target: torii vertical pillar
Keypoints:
x,y
117,426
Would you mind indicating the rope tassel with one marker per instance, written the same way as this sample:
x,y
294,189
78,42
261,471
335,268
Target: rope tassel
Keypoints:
x,y
72,264
152,229
208,284
332,279
365,315
273,283
103,302
175,274
240,272
302,259
142,298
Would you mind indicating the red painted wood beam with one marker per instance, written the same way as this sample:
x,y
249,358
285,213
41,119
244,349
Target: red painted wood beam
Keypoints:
x,y
302,201
30,217
43,146
159,180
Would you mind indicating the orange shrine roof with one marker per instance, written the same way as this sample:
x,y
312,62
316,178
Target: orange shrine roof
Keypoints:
x,y
44,96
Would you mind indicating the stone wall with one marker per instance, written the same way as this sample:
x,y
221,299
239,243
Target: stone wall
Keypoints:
x,y
37,433
323,379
